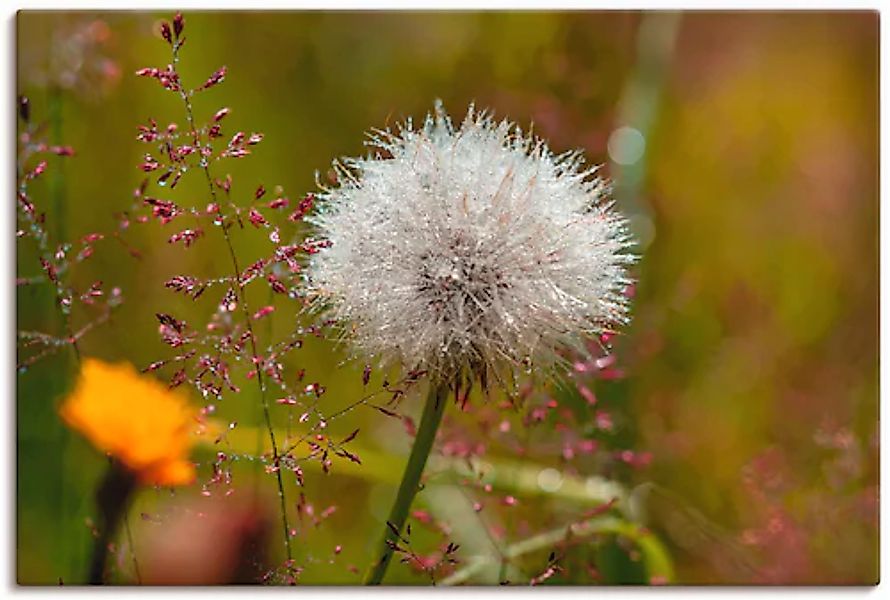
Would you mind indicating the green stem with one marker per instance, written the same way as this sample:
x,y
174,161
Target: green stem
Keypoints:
x,y
248,322
132,549
112,499
57,177
657,560
433,410
59,235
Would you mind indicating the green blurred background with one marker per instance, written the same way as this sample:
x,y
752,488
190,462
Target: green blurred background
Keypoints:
x,y
752,359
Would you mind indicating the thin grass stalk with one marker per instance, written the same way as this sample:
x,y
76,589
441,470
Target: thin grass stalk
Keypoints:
x,y
60,227
247,318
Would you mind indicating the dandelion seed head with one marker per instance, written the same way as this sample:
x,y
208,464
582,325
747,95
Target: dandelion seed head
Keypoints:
x,y
468,249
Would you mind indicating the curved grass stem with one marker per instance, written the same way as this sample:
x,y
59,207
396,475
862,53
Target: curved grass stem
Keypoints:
x,y
655,556
248,321
433,410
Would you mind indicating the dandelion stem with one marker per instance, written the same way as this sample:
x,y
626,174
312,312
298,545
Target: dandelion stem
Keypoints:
x,y
408,488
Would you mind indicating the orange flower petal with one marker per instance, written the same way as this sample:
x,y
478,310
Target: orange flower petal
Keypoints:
x,y
135,418
178,472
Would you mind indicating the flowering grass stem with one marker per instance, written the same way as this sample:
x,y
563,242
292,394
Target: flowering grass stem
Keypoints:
x,y
248,321
433,410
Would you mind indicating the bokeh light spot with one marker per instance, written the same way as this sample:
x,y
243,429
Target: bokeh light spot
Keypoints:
x,y
626,145
549,480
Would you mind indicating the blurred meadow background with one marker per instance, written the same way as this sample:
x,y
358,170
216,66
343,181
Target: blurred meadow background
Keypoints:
x,y
744,148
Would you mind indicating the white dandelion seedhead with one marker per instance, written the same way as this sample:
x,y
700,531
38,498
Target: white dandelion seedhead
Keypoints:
x,y
468,250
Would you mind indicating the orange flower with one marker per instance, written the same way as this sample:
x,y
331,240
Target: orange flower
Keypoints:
x,y
136,419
